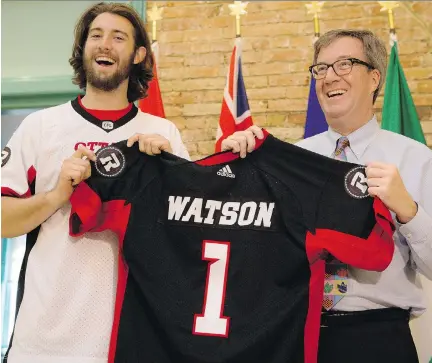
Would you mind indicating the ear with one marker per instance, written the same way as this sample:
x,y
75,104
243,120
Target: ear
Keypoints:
x,y
140,54
375,79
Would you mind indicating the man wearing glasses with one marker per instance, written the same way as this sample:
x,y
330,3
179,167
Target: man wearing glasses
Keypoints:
x,y
366,314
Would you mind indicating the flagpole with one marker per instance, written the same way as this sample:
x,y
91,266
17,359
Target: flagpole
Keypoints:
x,y
238,8
315,120
399,113
235,116
153,103
154,15
389,6
315,7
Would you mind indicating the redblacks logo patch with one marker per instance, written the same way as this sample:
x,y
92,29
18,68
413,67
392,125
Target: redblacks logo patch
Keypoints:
x,y
110,161
355,183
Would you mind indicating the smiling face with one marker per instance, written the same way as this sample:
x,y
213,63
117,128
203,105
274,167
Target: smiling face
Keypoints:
x,y
109,51
347,101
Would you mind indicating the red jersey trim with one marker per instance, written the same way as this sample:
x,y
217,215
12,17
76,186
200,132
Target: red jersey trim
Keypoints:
x,y
31,177
373,253
112,115
96,216
316,293
226,157
117,218
87,205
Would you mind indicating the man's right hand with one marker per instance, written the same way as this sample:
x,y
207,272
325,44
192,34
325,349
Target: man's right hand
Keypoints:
x,y
74,170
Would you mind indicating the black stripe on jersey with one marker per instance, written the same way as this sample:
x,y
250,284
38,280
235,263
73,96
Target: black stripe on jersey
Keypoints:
x,y
30,242
99,123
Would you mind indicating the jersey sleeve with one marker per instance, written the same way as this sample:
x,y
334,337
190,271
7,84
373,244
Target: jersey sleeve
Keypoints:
x,y
329,198
103,201
351,225
19,159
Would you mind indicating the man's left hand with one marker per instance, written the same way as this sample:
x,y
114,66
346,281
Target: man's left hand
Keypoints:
x,y
151,144
385,182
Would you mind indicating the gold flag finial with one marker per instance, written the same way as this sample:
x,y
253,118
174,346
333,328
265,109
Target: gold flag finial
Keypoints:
x,y
154,15
238,9
315,7
389,6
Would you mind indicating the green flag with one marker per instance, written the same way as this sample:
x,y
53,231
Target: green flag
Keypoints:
x,y
399,113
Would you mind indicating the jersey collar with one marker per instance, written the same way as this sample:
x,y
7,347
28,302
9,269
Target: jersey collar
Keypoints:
x,y
106,125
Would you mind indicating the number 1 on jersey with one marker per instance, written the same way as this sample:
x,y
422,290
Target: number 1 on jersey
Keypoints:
x,y
212,322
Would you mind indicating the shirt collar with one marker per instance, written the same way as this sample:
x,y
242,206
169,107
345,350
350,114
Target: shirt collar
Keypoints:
x,y
359,139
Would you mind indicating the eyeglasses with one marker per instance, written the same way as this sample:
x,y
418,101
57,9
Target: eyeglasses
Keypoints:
x,y
341,67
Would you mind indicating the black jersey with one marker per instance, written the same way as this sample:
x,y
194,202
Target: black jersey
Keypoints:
x,y
222,259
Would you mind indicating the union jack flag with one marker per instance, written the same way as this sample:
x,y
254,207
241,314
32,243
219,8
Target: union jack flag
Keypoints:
x,y
235,114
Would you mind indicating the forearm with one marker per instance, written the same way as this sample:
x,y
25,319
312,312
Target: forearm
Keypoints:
x,y
418,233
21,215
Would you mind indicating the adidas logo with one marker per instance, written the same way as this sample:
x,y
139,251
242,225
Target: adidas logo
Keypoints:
x,y
226,171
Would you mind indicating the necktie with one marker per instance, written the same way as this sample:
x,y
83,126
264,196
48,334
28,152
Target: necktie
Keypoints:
x,y
336,272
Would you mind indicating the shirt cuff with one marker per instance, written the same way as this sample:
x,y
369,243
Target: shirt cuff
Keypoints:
x,y
418,228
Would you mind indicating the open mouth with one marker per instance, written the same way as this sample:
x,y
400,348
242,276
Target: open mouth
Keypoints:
x,y
336,93
105,61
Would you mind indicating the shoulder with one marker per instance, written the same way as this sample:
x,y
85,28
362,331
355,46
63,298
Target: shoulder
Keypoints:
x,y
405,146
50,114
155,121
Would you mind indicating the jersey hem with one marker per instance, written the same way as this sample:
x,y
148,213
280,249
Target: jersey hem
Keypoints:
x,y
22,358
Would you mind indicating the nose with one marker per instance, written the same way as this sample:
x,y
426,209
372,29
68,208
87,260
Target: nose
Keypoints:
x,y
106,43
331,76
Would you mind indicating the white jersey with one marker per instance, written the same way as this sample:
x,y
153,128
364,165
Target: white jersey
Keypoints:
x,y
68,297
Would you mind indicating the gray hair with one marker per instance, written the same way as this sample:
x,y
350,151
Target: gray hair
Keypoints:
x,y
374,49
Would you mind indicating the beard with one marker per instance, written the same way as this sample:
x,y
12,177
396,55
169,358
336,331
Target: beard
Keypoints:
x,y
105,82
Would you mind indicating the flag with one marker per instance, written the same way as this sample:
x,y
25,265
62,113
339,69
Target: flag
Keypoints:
x,y
315,119
399,113
153,102
235,114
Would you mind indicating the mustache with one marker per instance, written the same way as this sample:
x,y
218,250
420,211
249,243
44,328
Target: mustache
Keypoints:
x,y
102,54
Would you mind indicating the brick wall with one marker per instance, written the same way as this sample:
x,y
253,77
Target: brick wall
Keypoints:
x,y
196,39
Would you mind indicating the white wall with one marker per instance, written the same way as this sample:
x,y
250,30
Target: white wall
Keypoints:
x,y
37,37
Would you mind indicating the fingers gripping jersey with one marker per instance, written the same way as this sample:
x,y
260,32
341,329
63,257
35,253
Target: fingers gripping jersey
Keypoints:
x,y
221,257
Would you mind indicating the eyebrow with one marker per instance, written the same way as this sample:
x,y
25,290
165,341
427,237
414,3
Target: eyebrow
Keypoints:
x,y
114,31
338,58
344,56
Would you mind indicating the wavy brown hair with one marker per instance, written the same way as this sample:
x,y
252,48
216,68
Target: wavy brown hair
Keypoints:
x,y
140,74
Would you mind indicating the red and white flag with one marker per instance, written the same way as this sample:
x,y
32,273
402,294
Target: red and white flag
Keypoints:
x,y
153,102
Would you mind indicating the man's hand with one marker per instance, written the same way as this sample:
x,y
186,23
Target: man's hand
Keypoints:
x,y
242,141
151,144
384,182
74,170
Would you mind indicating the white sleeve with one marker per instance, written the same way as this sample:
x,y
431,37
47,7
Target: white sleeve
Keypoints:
x,y
418,231
177,145
19,159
